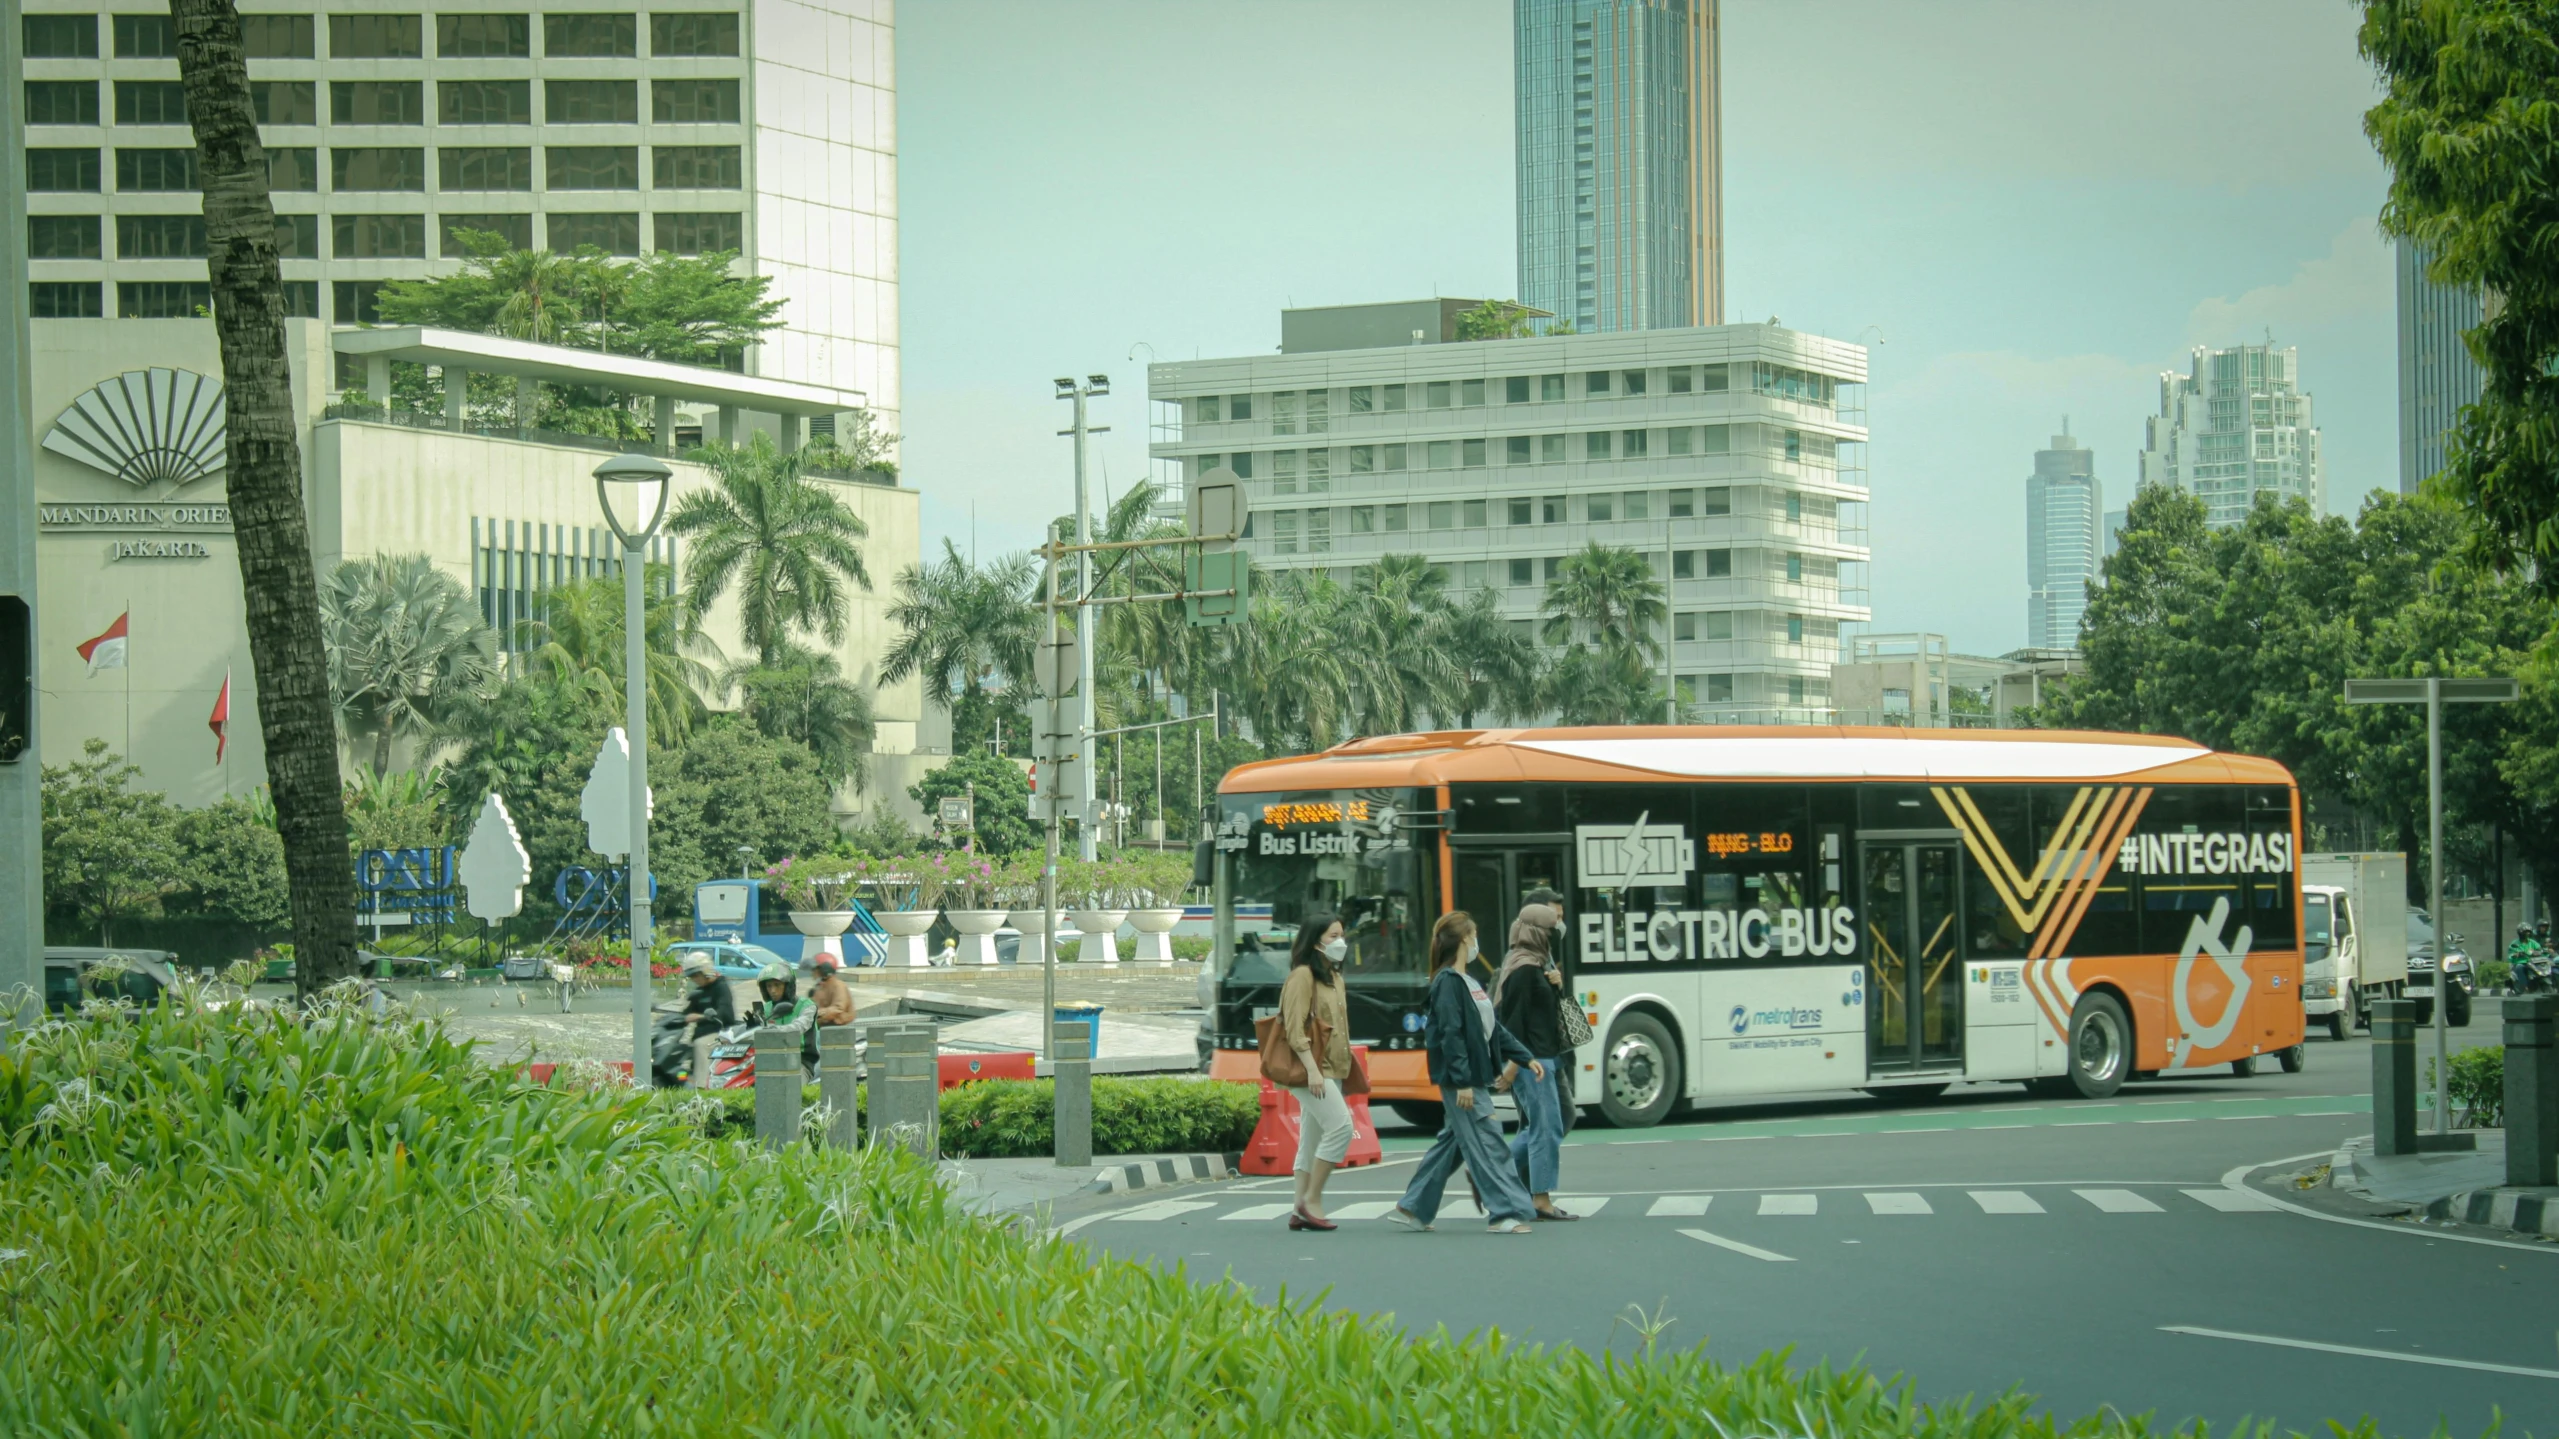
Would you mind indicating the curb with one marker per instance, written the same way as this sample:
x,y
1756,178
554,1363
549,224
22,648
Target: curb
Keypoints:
x,y
2524,1211
1163,1172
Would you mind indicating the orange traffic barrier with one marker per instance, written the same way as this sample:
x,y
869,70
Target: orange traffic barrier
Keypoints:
x,y
959,1069
1273,1147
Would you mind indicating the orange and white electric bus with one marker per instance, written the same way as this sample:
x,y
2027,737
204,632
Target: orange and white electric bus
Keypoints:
x,y
1765,911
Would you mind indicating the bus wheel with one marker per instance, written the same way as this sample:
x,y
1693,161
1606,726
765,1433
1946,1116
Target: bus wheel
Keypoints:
x,y
2290,1058
2245,1066
1639,1073
1422,1114
2100,1046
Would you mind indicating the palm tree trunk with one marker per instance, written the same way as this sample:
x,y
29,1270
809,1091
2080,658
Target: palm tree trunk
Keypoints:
x,y
265,483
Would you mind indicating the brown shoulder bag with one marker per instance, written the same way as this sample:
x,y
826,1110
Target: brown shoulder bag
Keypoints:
x,y
1280,1064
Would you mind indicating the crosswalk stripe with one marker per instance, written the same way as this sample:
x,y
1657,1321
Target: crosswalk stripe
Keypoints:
x,y
1582,1204
2232,1201
1161,1209
1366,1209
2118,1201
1898,1204
1680,1204
1735,1245
1460,1209
2006,1201
1789,1204
1260,1211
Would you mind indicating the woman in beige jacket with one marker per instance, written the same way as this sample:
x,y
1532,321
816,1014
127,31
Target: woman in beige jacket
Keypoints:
x,y
1314,992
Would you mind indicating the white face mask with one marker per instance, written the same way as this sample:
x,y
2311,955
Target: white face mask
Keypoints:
x,y
1336,949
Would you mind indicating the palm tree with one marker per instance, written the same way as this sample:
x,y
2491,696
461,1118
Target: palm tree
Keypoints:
x,y
788,541
1502,671
957,618
808,699
577,642
405,641
539,295
1604,685
1398,670
1287,667
1609,596
263,479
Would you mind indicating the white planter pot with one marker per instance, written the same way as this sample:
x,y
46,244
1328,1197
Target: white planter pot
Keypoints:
x,y
1154,933
1104,925
906,929
1034,943
977,929
823,931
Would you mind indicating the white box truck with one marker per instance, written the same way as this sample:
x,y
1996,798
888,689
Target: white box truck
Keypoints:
x,y
2354,926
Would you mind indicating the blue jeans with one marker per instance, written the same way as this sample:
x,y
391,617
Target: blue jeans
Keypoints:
x,y
1538,1147
1473,1137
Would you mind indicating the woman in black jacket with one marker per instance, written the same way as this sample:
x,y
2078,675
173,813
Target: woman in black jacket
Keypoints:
x,y
1467,1046
1525,996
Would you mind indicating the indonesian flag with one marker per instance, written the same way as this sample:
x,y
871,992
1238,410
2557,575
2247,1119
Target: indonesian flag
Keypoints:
x,y
106,652
220,722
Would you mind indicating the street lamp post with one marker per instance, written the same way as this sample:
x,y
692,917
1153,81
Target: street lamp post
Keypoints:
x,y
632,490
2434,693
1093,387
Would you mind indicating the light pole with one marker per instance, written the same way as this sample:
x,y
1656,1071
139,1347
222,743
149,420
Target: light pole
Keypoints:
x,y
632,490
1093,387
2434,693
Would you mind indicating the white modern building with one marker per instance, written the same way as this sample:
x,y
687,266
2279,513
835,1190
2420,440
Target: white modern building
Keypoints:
x,y
1731,456
2235,426
2065,509
766,127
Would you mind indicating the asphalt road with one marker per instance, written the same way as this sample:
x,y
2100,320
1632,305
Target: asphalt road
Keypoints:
x,y
1984,1242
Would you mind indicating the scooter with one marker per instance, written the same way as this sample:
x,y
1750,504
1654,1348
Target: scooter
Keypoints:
x,y
2536,974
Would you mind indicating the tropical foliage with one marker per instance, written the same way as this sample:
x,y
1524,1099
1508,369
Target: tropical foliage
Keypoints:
x,y
110,850
579,642
406,644
688,309
788,544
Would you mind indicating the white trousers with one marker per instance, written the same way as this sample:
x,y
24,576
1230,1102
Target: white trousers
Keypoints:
x,y
1323,1125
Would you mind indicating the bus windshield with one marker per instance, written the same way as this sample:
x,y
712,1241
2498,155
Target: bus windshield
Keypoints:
x,y
1348,853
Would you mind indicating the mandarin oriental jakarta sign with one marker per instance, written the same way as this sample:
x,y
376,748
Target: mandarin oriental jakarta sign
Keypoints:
x,y
157,430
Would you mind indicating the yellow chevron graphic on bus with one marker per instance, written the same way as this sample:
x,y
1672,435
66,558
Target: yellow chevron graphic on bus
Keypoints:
x,y
2031,894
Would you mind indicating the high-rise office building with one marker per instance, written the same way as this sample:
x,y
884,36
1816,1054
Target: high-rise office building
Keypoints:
x,y
766,129
1732,458
2436,374
2235,426
2065,510
1621,188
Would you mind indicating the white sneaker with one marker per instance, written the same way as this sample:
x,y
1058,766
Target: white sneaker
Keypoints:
x,y
1510,1226
1406,1219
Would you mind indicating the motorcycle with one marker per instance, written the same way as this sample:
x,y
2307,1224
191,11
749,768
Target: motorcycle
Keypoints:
x,y
2537,973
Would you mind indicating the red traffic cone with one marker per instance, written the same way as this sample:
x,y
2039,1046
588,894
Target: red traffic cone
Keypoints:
x,y
1364,1146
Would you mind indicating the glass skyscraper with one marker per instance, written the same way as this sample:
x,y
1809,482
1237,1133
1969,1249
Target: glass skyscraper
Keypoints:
x,y
1620,162
2436,374
2235,426
2065,506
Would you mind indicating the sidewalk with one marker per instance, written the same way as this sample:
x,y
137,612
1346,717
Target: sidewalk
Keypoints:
x,y
2455,1188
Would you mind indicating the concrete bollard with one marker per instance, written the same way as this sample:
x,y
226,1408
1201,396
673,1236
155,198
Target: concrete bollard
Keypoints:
x,y
837,1071
1073,1105
2394,1076
2532,1090
777,1086
905,1095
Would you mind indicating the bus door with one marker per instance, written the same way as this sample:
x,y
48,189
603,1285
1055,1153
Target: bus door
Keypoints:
x,y
1914,946
1493,880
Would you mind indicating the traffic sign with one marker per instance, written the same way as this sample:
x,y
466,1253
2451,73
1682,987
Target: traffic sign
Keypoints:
x,y
955,812
1229,570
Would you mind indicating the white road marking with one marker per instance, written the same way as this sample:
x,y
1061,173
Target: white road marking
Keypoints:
x,y
1735,1245
1259,1211
2181,1119
1582,1204
1371,1209
1070,1226
1789,1204
2430,1235
2232,1201
1680,1204
2439,1361
1160,1209
1898,1204
2118,1201
1459,1209
2006,1201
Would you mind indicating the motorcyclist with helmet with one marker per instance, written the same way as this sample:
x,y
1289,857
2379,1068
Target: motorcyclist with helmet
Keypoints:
x,y
707,1006
2527,962
782,1005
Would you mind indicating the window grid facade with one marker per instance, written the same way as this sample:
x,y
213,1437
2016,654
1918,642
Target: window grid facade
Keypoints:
x,y
1750,497
2436,374
2065,506
2235,426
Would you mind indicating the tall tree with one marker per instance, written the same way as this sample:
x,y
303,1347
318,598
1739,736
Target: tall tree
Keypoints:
x,y
577,642
263,480
787,541
964,622
807,699
1501,671
110,850
405,642
1400,670
2465,127
1607,597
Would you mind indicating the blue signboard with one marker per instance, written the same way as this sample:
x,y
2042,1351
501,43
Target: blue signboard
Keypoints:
x,y
416,882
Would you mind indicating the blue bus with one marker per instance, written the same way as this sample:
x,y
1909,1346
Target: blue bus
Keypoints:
x,y
748,911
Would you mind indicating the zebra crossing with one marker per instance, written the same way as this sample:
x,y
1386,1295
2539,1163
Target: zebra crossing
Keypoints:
x,y
1882,1203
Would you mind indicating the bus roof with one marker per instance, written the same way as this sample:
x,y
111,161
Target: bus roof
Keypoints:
x,y
1633,754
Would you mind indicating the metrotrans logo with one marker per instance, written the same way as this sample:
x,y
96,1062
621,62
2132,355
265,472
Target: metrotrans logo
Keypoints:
x,y
1745,1018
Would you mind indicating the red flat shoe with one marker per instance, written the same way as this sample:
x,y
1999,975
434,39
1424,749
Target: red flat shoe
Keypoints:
x,y
1300,1219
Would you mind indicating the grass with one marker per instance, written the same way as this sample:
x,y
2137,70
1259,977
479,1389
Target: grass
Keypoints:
x,y
256,1225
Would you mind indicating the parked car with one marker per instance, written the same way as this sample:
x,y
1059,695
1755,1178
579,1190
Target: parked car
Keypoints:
x,y
736,960
68,971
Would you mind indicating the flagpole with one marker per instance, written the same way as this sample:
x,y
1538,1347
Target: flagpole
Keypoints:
x,y
128,678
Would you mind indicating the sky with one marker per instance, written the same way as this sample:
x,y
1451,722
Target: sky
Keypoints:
x,y
2026,210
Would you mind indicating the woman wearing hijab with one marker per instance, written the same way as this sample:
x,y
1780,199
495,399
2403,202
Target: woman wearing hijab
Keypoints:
x,y
1525,996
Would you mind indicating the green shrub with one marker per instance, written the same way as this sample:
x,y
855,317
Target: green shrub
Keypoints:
x,y
2477,1083
1006,1118
248,1225
2493,974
